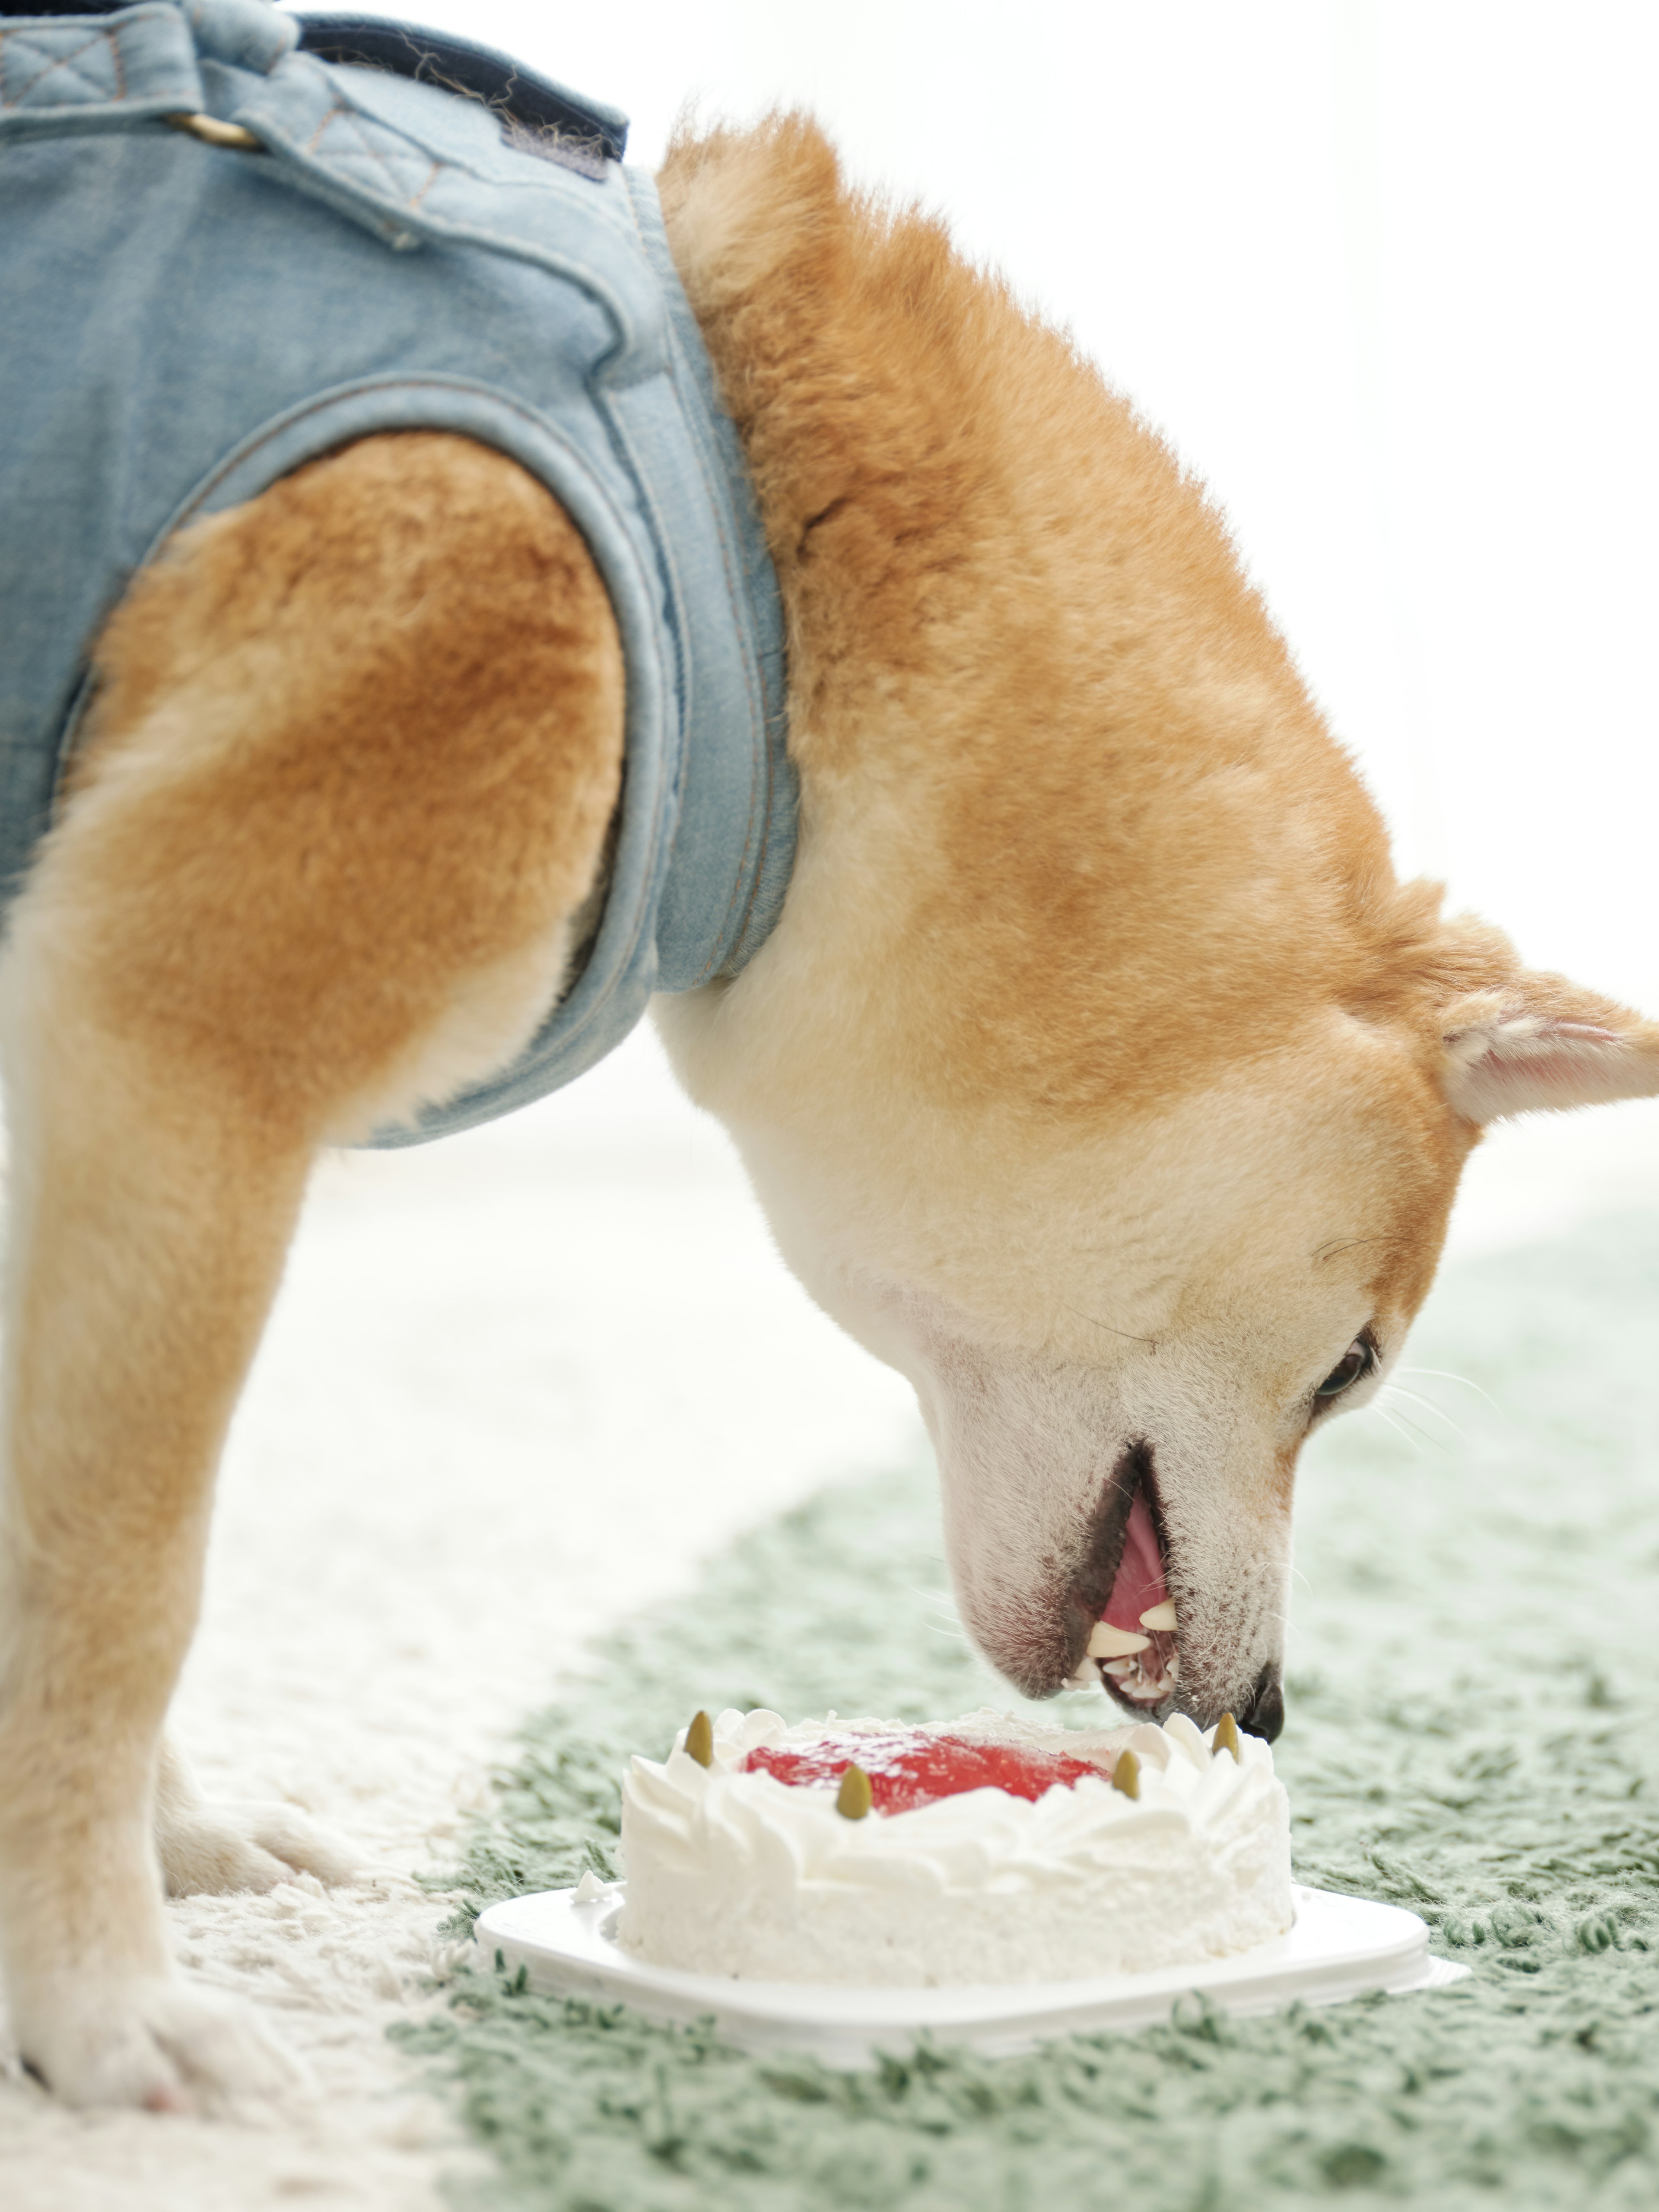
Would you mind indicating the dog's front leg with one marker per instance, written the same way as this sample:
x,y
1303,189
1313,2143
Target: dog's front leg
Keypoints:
x,y
149,1218
356,749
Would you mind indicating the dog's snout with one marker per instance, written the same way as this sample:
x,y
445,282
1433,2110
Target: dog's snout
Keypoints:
x,y
1264,1714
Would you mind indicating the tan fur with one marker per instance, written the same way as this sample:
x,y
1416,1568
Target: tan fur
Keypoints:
x,y
432,652
1098,1074
1002,588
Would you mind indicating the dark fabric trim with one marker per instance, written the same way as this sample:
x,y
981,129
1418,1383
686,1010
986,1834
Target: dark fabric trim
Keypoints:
x,y
507,86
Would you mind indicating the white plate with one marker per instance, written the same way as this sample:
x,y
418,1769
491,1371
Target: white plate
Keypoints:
x,y
1339,1947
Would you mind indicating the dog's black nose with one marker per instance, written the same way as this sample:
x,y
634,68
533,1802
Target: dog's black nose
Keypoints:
x,y
1264,1714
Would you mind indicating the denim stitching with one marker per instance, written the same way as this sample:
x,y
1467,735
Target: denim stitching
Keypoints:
x,y
65,61
367,149
312,143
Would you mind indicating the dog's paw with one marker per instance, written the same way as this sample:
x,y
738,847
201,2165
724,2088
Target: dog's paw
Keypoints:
x,y
214,1849
156,2044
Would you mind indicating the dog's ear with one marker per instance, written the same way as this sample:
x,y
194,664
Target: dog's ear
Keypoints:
x,y
1538,1041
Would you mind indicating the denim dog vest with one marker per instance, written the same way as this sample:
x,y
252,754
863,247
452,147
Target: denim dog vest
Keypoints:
x,y
187,316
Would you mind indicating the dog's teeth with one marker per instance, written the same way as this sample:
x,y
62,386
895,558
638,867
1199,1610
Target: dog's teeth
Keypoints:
x,y
1159,1616
1115,1642
1120,1670
1175,1667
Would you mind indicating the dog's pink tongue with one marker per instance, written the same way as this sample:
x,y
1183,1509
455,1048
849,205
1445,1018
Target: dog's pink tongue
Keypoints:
x,y
1139,1583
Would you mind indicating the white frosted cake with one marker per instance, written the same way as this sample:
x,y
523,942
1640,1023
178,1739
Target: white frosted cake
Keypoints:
x,y
979,1850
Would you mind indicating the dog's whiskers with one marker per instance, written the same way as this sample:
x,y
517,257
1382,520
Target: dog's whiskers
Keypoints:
x,y
1127,1334
1444,1375
1426,1435
1383,1414
1399,1390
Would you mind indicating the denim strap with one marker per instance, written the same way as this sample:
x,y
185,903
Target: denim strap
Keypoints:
x,y
83,74
60,74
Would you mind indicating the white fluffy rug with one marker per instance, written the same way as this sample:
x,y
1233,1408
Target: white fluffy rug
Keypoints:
x,y
516,1386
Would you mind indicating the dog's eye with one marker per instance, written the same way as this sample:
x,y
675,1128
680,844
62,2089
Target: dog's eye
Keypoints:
x,y
1357,1360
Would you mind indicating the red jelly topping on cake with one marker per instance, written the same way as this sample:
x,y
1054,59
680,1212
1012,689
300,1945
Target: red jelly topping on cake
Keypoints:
x,y
907,1768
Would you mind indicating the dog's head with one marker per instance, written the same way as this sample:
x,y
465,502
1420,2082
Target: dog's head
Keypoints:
x,y
1121,1336
1099,1074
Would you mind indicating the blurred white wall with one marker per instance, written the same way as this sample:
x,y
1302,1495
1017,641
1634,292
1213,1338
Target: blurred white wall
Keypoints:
x,y
1384,275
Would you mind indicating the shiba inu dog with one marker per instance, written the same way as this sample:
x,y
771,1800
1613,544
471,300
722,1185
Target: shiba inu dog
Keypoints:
x,y
1099,1073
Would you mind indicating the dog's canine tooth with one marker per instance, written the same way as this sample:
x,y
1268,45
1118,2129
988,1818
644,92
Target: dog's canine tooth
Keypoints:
x,y
1159,1616
1108,1642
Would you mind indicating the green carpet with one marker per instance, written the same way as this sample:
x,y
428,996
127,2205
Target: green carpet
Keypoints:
x,y
1469,1733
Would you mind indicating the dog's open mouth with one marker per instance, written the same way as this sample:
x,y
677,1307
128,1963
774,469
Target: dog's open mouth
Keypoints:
x,y
1133,1643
